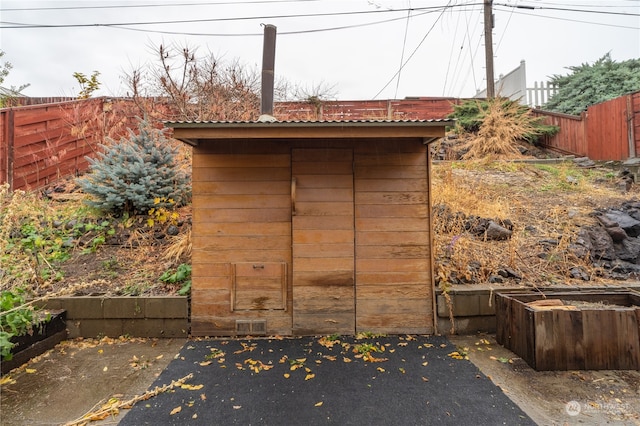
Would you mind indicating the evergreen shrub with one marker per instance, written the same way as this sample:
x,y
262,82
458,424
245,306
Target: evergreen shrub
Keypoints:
x,y
133,175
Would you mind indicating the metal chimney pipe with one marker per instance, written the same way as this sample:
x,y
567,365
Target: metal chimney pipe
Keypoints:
x,y
268,65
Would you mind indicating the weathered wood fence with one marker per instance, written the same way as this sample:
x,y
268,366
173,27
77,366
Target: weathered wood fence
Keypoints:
x,y
606,131
41,143
403,109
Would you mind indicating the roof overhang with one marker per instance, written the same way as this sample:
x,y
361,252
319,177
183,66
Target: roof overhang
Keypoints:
x,y
193,132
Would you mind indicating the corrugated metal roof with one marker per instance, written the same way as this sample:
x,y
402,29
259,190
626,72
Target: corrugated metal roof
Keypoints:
x,y
438,121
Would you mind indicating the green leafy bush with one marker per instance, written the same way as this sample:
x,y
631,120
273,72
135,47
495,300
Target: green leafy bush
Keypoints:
x,y
16,319
128,176
182,275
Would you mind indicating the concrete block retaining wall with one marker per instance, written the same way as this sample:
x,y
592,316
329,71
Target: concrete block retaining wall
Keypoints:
x,y
91,316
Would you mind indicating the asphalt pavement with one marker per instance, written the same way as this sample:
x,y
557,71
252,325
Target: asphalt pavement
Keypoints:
x,y
371,380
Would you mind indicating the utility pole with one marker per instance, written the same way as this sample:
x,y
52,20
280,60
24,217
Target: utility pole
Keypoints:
x,y
488,46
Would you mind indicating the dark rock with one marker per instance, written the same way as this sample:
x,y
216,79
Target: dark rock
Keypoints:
x,y
531,228
496,279
497,232
509,273
172,230
582,247
606,221
602,243
549,242
70,224
617,234
571,180
56,224
626,222
579,273
629,250
584,162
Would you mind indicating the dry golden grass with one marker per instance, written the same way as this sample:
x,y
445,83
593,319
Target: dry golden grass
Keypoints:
x,y
502,127
179,248
541,203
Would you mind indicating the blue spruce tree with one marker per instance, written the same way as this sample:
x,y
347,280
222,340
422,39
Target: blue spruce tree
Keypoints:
x,y
132,175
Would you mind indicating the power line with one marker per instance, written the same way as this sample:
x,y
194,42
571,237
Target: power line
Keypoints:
x,y
518,12
404,45
131,6
242,18
414,51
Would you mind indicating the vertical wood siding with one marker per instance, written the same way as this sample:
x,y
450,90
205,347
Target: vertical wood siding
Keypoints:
x,y
393,276
242,215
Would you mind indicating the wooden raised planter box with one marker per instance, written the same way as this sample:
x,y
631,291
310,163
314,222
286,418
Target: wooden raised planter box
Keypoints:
x,y
590,331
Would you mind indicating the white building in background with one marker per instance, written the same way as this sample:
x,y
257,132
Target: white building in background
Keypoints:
x,y
514,86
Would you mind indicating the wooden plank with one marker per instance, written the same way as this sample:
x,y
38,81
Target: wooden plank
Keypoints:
x,y
387,197
418,323
202,256
324,250
239,174
392,252
392,238
392,211
241,160
383,279
394,291
203,216
324,223
213,229
575,344
391,224
323,236
324,181
322,155
309,208
390,159
323,323
322,168
225,242
241,201
326,264
282,187
324,195
324,278
392,265
390,185
390,172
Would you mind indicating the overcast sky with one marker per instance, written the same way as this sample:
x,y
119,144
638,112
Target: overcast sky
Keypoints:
x,y
360,52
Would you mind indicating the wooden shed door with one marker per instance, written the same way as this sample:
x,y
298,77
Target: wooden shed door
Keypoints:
x,y
323,241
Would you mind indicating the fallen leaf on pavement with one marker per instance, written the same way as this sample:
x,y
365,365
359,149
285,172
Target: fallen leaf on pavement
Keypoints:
x,y
318,404
175,410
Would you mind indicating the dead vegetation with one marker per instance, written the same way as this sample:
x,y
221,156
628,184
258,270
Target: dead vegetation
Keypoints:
x,y
547,205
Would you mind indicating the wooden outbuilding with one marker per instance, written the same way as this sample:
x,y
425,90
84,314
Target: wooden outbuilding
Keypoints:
x,y
307,228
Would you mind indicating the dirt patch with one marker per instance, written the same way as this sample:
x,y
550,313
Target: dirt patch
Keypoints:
x,y
79,376
557,397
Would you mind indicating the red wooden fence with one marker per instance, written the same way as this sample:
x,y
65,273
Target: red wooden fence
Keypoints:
x,y
571,137
42,143
404,109
606,131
